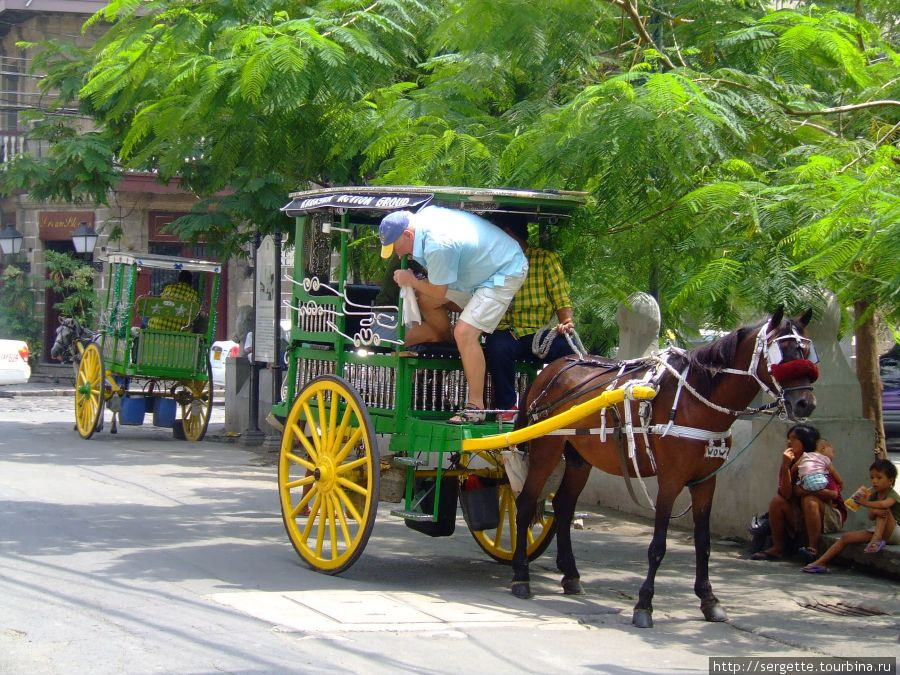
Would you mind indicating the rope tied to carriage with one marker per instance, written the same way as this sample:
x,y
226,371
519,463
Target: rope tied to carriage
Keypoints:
x,y
543,339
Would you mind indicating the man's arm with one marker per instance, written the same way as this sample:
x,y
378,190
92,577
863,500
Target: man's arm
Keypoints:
x,y
558,290
566,320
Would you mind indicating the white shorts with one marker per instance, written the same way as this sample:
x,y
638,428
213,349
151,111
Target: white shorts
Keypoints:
x,y
484,308
894,536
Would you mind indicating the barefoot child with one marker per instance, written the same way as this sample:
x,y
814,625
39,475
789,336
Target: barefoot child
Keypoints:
x,y
883,504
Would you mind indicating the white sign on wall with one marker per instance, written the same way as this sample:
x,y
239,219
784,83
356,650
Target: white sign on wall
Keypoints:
x,y
268,291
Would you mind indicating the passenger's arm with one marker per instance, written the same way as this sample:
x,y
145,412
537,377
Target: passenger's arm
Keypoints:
x,y
423,286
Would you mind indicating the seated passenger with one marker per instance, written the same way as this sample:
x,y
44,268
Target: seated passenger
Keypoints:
x,y
389,296
544,294
180,290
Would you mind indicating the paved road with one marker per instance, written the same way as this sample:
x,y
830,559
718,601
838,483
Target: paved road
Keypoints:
x,y
140,554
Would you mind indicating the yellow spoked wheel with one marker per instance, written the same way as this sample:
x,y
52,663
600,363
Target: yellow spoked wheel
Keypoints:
x,y
195,397
90,391
328,474
500,543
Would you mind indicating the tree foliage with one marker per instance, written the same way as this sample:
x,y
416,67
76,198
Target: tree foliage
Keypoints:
x,y
736,156
17,319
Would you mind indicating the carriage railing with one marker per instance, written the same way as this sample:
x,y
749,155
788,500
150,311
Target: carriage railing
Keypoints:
x,y
441,389
169,352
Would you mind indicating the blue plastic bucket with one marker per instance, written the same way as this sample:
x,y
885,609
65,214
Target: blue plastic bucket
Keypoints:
x,y
133,410
164,412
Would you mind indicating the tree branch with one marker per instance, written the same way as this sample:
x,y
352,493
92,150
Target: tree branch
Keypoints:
x,y
632,12
841,108
878,143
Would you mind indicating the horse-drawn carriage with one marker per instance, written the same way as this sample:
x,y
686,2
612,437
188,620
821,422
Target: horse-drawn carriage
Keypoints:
x,y
360,408
150,352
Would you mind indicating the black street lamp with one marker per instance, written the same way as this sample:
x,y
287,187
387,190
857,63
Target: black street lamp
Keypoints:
x,y
10,240
85,238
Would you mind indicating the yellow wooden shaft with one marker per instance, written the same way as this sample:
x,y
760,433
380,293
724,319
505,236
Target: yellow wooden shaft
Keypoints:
x,y
570,416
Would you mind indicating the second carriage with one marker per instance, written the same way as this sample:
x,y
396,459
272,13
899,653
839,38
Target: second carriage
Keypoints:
x,y
366,417
150,352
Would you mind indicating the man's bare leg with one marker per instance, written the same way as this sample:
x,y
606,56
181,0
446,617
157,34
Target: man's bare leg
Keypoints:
x,y
472,360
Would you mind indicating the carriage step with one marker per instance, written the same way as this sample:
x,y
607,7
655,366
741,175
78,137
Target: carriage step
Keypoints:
x,y
413,515
409,461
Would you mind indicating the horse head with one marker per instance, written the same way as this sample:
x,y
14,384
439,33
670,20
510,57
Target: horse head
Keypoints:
x,y
787,366
67,333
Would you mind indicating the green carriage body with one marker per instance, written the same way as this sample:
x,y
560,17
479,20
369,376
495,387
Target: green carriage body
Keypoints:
x,y
407,396
147,364
149,353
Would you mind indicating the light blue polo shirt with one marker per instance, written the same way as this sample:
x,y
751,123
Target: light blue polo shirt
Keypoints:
x,y
464,251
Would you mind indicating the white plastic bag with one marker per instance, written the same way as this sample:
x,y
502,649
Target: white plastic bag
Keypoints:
x,y
411,313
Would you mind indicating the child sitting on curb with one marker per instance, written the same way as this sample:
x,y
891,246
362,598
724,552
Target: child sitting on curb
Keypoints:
x,y
883,504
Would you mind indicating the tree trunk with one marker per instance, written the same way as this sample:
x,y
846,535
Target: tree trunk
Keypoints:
x,y
868,372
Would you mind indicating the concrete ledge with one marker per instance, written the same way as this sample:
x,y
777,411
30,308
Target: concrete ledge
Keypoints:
x,y
886,563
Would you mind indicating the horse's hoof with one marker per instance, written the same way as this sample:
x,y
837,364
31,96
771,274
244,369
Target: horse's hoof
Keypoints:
x,y
714,612
572,587
642,618
521,589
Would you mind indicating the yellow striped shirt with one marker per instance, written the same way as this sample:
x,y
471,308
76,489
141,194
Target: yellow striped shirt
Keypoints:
x,y
176,291
544,292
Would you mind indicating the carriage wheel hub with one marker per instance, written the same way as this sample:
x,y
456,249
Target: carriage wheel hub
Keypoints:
x,y
325,474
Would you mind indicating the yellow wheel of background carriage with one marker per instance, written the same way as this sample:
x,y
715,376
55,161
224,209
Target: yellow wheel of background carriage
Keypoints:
x,y
195,397
500,543
329,474
90,391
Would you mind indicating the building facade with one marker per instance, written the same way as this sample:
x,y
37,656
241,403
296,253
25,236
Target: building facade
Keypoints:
x,y
137,210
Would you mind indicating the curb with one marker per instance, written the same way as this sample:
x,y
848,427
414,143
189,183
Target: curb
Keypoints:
x,y
886,563
37,392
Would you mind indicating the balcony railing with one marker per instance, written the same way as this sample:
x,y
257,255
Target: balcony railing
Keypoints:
x,y
11,145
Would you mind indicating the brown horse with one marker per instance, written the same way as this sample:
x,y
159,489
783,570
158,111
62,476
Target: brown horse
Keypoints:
x,y
682,437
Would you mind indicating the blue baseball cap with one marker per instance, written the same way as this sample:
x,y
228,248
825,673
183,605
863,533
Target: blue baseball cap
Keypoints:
x,y
390,229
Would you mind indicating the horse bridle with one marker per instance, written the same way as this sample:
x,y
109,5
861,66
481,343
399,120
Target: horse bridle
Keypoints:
x,y
769,350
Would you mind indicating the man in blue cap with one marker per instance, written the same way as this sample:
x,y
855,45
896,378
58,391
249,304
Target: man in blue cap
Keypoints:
x,y
471,263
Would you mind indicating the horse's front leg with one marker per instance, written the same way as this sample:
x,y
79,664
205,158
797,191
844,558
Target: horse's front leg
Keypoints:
x,y
643,610
701,500
541,462
526,503
573,481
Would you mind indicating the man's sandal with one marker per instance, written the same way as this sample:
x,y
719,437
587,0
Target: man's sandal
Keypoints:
x,y
471,414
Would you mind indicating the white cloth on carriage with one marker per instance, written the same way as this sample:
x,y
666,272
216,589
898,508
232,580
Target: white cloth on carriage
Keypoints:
x,y
411,312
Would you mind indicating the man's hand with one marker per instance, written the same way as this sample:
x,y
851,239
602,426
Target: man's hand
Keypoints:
x,y
404,278
567,326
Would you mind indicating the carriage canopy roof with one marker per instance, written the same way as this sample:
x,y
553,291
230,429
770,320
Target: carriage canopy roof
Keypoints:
x,y
163,262
371,203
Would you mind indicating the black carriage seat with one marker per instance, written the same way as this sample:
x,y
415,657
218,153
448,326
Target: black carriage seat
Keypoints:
x,y
432,350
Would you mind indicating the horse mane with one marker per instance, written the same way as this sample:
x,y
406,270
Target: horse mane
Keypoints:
x,y
706,362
